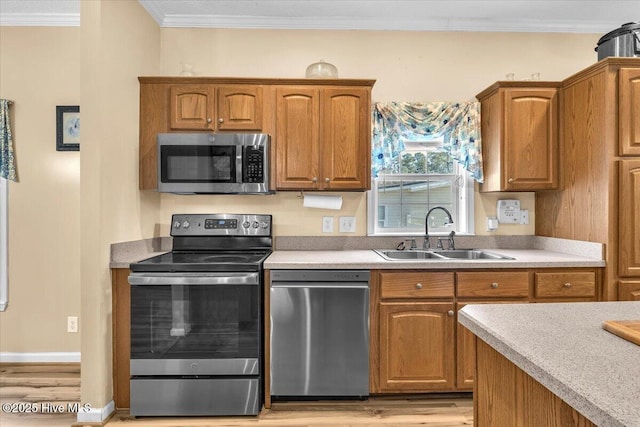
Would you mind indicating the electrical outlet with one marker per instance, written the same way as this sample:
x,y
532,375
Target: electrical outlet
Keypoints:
x,y
72,324
347,224
327,224
524,216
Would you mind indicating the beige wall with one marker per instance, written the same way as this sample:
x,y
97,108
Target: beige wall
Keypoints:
x,y
120,41
407,66
39,69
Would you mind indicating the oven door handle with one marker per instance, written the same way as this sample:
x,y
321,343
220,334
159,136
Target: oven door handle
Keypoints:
x,y
195,279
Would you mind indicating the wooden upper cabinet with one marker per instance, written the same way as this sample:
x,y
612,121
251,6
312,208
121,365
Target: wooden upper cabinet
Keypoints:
x,y
192,107
240,107
346,135
629,111
519,137
629,226
323,138
297,136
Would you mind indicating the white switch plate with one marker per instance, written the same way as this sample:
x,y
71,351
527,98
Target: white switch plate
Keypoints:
x,y
347,224
327,224
492,223
72,324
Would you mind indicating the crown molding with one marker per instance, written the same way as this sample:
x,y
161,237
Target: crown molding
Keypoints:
x,y
379,24
40,19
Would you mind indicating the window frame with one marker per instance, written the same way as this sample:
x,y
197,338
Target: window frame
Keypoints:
x,y
4,244
464,218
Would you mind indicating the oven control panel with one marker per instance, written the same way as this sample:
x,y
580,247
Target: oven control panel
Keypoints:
x,y
220,225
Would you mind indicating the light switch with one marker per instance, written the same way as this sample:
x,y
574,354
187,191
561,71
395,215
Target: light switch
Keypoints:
x,y
327,224
347,224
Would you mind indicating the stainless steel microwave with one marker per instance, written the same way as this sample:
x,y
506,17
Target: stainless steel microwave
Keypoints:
x,y
213,163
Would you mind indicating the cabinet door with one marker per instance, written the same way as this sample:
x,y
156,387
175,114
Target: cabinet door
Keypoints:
x,y
346,139
192,107
629,227
240,107
297,140
629,111
416,346
531,139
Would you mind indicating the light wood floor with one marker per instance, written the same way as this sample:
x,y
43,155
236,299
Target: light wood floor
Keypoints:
x,y
59,384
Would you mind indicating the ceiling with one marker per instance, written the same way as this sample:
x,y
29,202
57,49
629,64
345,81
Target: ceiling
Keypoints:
x,y
569,16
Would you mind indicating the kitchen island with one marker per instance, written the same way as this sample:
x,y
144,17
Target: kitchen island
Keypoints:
x,y
554,365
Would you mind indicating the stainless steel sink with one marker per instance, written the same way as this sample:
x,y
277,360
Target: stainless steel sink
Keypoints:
x,y
469,254
452,254
395,255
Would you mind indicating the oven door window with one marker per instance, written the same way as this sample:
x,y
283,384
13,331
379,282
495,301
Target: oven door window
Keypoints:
x,y
198,163
195,322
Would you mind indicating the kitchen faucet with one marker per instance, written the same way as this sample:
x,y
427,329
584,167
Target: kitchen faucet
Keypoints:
x,y
426,244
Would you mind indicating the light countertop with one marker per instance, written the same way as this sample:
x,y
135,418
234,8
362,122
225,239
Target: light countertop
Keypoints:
x,y
563,347
368,259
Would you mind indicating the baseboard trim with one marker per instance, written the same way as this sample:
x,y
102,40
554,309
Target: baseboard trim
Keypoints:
x,y
44,357
96,415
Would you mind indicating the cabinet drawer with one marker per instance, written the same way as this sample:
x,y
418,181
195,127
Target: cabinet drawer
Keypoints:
x,y
493,284
416,285
570,285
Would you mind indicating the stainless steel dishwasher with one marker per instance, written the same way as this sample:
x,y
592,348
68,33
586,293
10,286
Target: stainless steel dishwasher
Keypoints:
x,y
319,333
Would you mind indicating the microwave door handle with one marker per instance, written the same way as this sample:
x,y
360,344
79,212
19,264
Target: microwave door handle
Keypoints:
x,y
227,279
239,163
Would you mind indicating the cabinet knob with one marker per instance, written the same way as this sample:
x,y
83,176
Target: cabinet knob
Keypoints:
x,y
494,285
209,120
418,285
220,120
510,180
567,285
450,313
314,179
327,180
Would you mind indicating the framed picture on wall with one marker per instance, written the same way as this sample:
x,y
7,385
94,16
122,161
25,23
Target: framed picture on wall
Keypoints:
x,y
67,128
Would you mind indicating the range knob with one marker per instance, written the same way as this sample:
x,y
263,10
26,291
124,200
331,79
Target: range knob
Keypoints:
x,y
256,224
186,224
246,224
176,224
264,224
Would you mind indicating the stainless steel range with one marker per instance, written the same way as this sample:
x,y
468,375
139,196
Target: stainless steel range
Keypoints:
x,y
196,319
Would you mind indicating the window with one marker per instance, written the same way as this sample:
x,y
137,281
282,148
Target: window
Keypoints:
x,y
4,242
421,177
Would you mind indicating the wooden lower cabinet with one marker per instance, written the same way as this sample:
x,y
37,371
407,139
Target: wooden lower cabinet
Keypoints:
x,y
629,290
504,395
416,346
121,320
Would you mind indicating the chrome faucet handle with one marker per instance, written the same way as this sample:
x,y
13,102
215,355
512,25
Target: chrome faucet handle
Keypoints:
x,y
452,244
440,239
414,245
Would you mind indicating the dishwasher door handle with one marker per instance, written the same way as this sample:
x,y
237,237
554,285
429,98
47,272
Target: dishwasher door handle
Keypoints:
x,y
319,286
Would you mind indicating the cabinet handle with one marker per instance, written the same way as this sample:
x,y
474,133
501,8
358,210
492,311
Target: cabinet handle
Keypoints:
x,y
314,179
327,180
494,285
567,285
209,120
450,313
510,180
220,120
418,285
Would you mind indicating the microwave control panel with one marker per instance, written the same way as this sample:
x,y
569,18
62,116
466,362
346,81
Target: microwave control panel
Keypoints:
x,y
253,164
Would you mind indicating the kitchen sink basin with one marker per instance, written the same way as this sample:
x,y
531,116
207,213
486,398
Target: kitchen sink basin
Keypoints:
x,y
451,254
395,255
469,254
